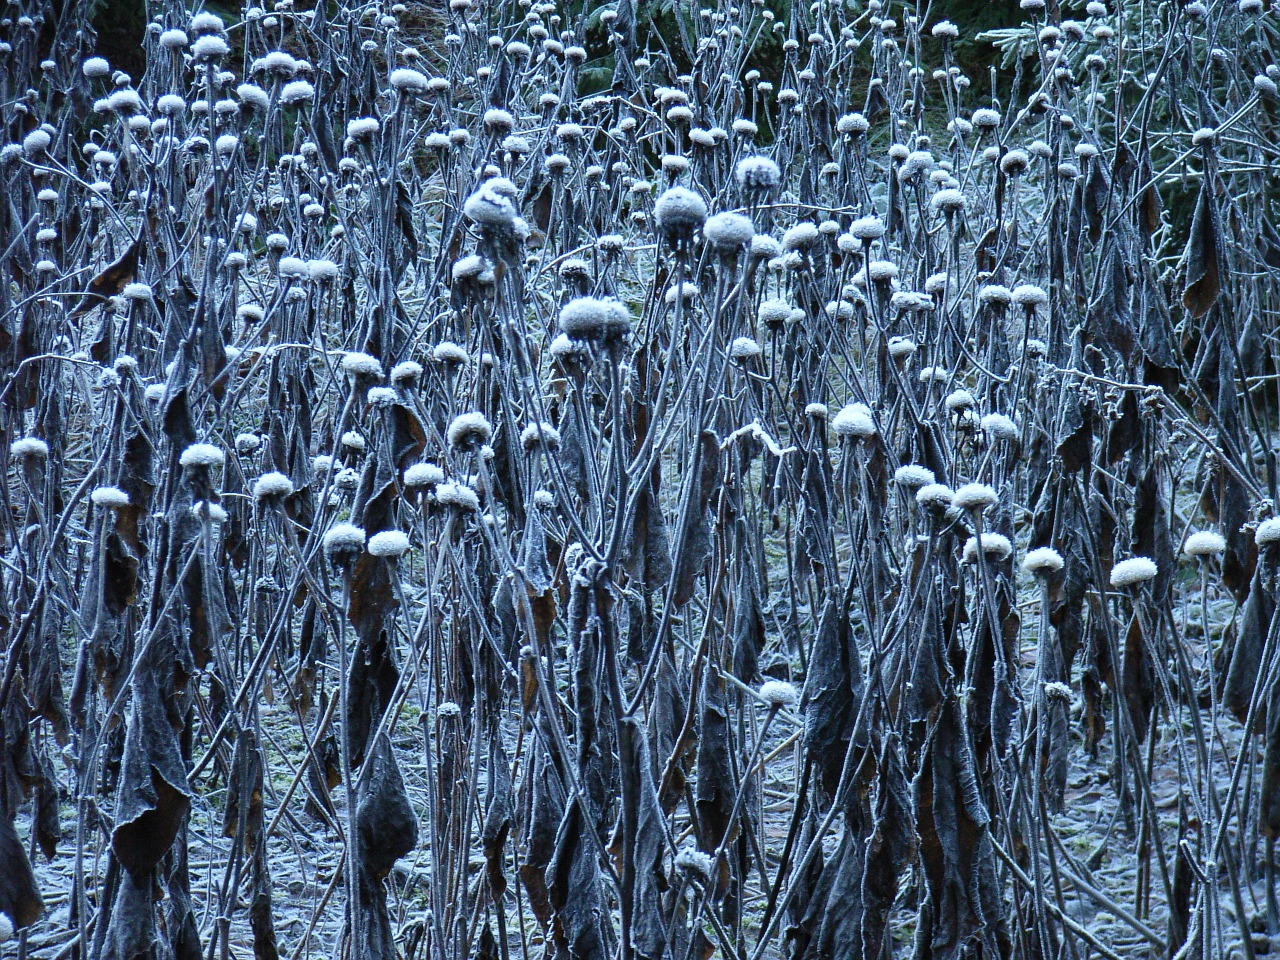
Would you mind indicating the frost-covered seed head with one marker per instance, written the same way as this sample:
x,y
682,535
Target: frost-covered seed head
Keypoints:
x,y
1042,561
202,455
490,209
948,202
213,512
935,495
854,421
1205,543
1268,533
867,229
389,544
999,427
901,348
913,476
779,693
459,496
995,545
406,372
800,237
407,81
744,349
678,215
758,174
109,498
29,448
423,475
695,863
469,431
974,496
1029,296
540,435
343,542
591,318
729,232
449,354
1058,692
356,364
1132,572
272,487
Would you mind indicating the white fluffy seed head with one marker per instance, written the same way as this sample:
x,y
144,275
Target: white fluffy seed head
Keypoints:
x,y
757,174
974,496
854,420
469,430
490,208
729,232
459,496
29,448
450,354
1268,532
591,318
272,487
1206,543
406,372
1131,572
694,862
1042,561
202,455
779,693
679,213
994,545
999,427
381,396
540,435
405,80
937,495
900,348
109,498
743,349
423,475
867,229
213,512
913,476
358,364
342,541
389,543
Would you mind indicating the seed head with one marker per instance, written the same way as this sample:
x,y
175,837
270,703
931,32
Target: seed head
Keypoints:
x,y
1205,543
1131,572
779,693
389,543
202,455
974,496
854,421
271,488
109,498
469,431
29,448
1042,561
994,545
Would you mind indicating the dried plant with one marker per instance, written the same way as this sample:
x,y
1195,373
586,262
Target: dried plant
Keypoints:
x,y
658,482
